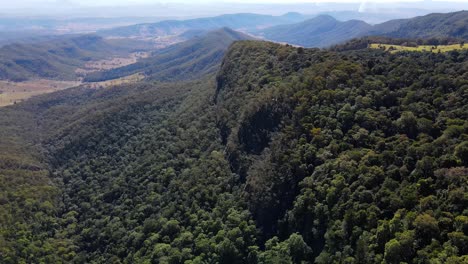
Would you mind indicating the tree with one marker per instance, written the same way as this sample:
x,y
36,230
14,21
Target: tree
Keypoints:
x,y
393,250
228,253
298,249
407,124
461,151
426,227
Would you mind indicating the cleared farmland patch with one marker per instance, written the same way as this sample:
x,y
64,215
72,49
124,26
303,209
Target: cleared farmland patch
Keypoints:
x,y
112,63
422,48
119,81
15,92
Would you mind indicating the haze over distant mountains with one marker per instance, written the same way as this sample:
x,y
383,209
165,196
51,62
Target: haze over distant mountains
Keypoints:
x,y
294,28
247,22
29,22
320,31
187,9
32,17
324,30
202,51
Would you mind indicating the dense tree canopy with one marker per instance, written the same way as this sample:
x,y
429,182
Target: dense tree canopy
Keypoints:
x,y
289,155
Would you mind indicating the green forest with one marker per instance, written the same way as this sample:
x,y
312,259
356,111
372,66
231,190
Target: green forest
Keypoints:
x,y
284,155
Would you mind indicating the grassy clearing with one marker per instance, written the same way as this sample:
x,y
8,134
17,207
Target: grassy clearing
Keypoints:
x,y
111,63
124,80
15,92
422,48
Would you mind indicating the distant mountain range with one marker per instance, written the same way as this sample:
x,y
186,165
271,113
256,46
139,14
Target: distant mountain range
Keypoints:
x,y
429,26
183,61
324,30
320,31
246,22
203,52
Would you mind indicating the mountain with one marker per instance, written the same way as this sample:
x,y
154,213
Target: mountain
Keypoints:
x,y
430,26
324,30
60,57
287,155
242,21
378,15
320,31
183,61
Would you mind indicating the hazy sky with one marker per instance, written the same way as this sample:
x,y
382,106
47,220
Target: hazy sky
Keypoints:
x,y
39,3
196,8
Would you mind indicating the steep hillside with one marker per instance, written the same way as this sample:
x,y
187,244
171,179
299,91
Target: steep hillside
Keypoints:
x,y
187,60
288,155
175,27
58,58
320,31
358,150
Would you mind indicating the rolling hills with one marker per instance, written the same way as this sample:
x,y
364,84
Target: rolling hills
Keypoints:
x,y
183,61
60,57
243,21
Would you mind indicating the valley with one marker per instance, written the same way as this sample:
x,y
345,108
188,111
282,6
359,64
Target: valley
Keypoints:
x,y
15,92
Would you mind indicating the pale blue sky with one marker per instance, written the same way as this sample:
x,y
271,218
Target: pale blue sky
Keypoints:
x,y
31,3
197,8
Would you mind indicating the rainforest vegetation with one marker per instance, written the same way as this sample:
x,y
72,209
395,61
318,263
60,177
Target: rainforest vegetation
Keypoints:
x,y
285,155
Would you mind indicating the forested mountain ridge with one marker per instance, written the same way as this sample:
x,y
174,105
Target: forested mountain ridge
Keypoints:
x,y
324,31
60,57
183,61
288,155
295,153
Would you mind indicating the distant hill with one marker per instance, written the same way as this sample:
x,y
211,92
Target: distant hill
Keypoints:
x,y
430,26
324,30
58,58
243,21
183,61
317,32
